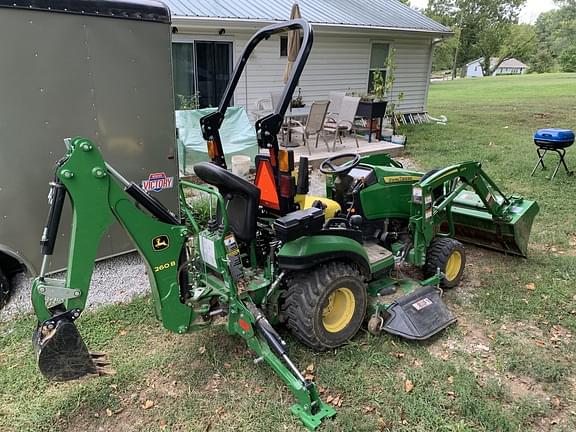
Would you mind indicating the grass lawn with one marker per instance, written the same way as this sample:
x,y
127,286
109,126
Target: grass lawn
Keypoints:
x,y
507,366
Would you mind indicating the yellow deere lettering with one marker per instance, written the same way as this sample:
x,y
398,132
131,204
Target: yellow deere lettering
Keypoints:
x,y
400,179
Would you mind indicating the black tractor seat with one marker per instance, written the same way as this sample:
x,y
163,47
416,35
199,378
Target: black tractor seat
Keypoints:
x,y
241,197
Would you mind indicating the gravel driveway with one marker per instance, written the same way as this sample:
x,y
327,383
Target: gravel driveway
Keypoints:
x,y
115,280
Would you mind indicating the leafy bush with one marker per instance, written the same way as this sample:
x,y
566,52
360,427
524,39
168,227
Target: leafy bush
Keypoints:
x,y
568,60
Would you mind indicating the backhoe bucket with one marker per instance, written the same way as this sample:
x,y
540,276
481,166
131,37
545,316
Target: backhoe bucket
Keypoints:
x,y
474,224
62,354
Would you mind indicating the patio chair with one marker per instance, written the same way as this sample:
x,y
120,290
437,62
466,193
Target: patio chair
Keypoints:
x,y
344,121
263,108
275,98
314,124
335,102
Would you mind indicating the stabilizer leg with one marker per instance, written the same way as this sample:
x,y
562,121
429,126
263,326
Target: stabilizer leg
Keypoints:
x,y
251,324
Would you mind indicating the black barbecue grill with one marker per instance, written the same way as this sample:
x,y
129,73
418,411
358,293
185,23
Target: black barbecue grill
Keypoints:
x,y
555,140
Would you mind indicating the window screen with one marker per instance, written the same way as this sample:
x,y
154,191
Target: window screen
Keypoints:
x,y
378,58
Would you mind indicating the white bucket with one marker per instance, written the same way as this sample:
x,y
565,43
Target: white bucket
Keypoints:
x,y
386,134
241,165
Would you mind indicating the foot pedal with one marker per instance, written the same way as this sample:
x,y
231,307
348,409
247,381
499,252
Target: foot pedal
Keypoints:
x,y
418,315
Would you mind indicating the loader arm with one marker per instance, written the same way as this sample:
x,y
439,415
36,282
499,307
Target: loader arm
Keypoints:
x,y
443,206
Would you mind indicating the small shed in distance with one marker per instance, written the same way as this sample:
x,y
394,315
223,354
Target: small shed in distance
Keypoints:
x,y
507,67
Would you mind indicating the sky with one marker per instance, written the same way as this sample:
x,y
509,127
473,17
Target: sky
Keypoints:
x,y
529,14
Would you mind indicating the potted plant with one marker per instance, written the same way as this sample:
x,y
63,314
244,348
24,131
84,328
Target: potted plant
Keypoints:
x,y
298,102
184,102
392,99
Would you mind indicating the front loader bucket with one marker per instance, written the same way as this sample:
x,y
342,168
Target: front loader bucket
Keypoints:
x,y
62,354
474,224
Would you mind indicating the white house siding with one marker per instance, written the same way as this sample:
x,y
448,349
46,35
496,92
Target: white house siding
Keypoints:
x,y
338,62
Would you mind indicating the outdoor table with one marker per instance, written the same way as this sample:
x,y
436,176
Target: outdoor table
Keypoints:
x,y
294,113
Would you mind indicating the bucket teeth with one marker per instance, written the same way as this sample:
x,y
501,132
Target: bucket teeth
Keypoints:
x,y
100,359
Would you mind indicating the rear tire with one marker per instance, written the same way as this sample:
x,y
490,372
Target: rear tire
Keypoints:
x,y
449,256
4,289
325,307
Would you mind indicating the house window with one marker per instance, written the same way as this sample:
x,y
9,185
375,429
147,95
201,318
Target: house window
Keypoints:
x,y
284,45
378,59
201,72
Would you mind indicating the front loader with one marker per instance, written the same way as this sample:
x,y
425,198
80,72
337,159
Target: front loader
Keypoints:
x,y
268,254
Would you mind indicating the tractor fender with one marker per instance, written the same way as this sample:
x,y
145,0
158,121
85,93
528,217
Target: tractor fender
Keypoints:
x,y
308,252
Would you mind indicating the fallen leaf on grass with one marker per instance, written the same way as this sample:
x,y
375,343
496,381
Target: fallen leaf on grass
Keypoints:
x,y
417,363
309,372
202,350
451,394
530,286
108,412
540,342
148,404
408,386
399,354
368,409
123,332
450,379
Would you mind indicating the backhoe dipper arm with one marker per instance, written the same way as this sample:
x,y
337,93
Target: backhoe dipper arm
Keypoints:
x,y
99,196
268,127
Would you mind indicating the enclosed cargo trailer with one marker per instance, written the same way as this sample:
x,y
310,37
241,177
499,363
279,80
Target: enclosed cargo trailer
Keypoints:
x,y
100,69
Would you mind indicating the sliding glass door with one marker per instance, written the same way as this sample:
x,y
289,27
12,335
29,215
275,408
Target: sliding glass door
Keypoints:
x,y
201,72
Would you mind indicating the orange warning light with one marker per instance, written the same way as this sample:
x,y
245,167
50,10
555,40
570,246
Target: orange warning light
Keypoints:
x,y
286,161
212,149
265,182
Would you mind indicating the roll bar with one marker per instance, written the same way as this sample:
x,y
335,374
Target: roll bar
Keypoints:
x,y
267,128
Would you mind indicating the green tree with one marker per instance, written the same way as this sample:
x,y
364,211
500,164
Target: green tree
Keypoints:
x,y
486,29
541,62
568,60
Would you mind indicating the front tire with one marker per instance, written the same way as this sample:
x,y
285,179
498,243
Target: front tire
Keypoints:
x,y
448,255
325,307
4,289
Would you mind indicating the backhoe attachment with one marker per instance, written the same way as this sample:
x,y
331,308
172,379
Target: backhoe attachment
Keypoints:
x,y
99,196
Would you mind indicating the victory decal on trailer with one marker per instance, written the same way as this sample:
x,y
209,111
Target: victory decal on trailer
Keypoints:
x,y
157,182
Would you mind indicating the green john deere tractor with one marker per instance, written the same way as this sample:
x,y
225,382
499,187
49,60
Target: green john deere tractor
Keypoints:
x,y
269,253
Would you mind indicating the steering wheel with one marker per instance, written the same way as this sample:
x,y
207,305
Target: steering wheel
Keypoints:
x,y
331,165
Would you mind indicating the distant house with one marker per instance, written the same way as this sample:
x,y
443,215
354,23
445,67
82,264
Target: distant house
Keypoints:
x,y
351,39
507,67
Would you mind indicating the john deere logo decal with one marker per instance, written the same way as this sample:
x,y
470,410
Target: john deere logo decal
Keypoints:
x,y
160,243
157,182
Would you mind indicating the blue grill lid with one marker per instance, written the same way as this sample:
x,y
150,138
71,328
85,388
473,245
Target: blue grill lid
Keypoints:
x,y
554,135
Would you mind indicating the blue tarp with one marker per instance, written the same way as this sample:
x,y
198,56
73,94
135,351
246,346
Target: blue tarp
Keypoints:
x,y
237,134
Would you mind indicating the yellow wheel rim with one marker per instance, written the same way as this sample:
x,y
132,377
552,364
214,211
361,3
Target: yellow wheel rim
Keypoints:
x,y
339,310
453,265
